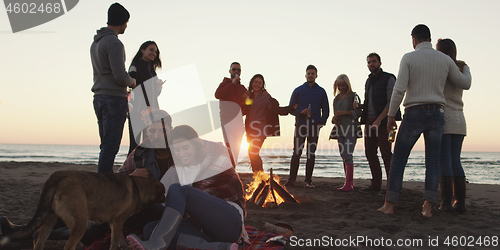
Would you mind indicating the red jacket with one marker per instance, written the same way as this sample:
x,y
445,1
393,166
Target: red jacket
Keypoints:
x,y
227,91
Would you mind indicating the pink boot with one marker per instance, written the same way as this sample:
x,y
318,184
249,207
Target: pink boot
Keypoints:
x,y
349,183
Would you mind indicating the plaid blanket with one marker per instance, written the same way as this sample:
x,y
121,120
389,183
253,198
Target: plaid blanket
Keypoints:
x,y
258,239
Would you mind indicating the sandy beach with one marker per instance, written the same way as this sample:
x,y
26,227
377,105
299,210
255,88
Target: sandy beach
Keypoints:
x,y
325,217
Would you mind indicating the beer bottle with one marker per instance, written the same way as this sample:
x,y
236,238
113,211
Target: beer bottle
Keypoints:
x,y
392,134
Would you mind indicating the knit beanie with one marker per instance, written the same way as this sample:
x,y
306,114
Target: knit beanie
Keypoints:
x,y
117,15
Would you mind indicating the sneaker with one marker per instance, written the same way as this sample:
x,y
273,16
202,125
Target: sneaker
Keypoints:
x,y
309,185
289,183
382,193
369,190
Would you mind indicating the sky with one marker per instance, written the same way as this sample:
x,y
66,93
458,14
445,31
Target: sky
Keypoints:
x,y
47,72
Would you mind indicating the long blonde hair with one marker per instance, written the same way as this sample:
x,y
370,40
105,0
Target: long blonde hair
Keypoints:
x,y
341,78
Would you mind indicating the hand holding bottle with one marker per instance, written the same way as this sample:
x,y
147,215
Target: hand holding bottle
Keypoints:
x,y
236,79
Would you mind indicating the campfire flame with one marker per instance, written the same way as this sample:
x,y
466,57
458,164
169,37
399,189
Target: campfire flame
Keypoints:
x,y
260,185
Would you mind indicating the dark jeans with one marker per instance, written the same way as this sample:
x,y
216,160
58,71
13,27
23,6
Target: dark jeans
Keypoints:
x,y
210,218
111,112
302,132
377,139
254,150
451,147
429,121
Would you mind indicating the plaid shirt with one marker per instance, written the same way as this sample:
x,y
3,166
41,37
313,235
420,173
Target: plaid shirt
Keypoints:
x,y
129,165
225,185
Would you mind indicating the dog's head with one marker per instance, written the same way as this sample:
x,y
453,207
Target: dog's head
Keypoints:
x,y
151,191
159,191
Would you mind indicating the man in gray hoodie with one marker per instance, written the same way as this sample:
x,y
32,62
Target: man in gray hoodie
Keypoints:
x,y
110,85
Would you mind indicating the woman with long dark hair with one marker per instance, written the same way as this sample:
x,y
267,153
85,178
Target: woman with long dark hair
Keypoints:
x,y
258,109
143,69
452,180
204,207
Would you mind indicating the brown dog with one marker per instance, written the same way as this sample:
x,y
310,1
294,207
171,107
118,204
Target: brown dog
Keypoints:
x,y
78,197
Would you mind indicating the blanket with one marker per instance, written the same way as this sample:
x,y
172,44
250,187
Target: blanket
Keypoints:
x,y
258,239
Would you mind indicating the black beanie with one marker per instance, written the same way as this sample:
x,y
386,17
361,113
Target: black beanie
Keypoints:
x,y
117,15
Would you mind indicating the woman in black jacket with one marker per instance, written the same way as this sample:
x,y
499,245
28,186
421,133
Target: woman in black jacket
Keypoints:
x,y
143,70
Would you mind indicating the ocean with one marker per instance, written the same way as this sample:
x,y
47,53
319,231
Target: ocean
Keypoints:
x,y
480,167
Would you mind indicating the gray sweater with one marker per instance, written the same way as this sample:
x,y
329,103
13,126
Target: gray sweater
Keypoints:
x,y
108,62
454,110
422,76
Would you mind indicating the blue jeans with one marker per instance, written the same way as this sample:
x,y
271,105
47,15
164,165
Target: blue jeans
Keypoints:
x,y
451,147
302,132
210,218
111,112
428,121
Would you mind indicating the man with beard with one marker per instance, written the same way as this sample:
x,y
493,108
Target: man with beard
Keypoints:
x,y
152,158
232,95
311,114
378,91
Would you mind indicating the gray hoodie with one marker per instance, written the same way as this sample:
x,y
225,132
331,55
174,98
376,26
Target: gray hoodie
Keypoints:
x,y
108,61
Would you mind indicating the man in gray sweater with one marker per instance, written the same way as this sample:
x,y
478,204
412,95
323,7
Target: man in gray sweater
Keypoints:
x,y
422,76
110,85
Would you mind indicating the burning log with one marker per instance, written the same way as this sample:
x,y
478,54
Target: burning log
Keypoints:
x,y
257,192
271,186
263,196
282,192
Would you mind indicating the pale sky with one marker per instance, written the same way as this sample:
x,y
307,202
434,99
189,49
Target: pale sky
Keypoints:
x,y
47,73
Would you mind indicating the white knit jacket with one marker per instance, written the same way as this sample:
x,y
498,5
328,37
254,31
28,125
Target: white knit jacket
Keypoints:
x,y
422,76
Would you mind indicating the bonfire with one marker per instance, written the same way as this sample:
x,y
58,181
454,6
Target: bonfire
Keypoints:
x,y
265,191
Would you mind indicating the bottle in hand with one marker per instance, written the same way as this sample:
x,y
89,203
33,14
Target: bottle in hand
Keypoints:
x,y
392,135
356,101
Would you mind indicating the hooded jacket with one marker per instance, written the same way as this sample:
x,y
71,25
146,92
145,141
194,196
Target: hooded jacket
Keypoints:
x,y
108,62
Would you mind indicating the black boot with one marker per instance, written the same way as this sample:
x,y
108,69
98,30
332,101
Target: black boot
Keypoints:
x,y
7,227
446,186
460,191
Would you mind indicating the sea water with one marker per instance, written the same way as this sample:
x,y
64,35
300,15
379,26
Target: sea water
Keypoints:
x,y
479,167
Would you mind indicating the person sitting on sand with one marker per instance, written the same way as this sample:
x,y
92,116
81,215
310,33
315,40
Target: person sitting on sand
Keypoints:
x,y
205,203
422,76
152,158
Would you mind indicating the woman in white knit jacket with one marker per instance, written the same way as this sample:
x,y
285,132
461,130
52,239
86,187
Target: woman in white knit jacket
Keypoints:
x,y
452,180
